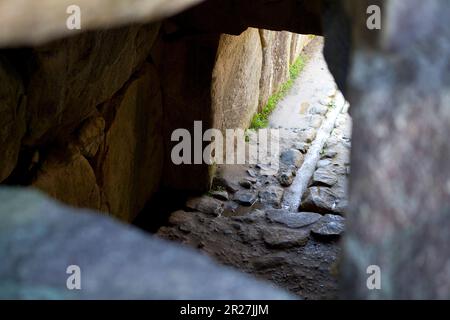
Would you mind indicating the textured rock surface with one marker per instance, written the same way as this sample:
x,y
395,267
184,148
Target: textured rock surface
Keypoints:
x,y
70,179
236,75
292,157
39,239
245,198
280,50
292,219
69,78
206,205
399,190
324,177
319,199
272,195
280,238
131,157
329,227
12,117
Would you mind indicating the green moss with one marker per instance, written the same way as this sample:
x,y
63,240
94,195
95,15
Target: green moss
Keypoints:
x,y
261,119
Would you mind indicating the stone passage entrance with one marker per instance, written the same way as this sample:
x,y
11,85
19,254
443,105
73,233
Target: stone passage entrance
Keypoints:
x,y
257,219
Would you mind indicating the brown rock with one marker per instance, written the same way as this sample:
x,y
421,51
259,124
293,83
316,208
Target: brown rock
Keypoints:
x,y
319,199
130,162
206,205
69,180
91,136
71,77
179,217
281,238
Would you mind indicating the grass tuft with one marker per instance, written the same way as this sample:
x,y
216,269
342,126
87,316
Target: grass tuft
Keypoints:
x,y
261,119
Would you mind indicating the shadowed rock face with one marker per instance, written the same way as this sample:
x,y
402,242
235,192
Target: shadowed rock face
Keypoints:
x,y
30,22
399,217
39,239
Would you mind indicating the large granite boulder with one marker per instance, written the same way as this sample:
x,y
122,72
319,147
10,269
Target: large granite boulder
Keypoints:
x,y
400,188
236,76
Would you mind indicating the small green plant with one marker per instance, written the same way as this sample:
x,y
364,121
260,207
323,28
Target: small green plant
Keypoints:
x,y
247,136
261,119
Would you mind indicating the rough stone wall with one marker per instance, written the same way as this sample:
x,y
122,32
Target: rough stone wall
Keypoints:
x,y
12,117
235,87
248,70
82,119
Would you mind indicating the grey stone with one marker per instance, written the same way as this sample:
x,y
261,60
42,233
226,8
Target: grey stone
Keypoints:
x,y
329,227
324,163
267,170
39,239
249,235
281,238
225,183
292,219
245,197
330,153
245,184
286,178
341,207
252,173
272,195
318,109
319,199
269,261
220,195
292,157
302,147
179,217
206,205
251,217
324,177
326,101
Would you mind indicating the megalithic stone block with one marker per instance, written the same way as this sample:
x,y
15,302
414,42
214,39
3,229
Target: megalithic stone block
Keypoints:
x,y
399,89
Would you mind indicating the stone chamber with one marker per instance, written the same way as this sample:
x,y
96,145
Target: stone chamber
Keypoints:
x,y
86,118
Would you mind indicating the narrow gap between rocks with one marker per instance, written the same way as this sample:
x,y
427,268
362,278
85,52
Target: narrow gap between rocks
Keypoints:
x,y
256,218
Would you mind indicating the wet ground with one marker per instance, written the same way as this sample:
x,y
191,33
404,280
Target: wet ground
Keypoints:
x,y
243,221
